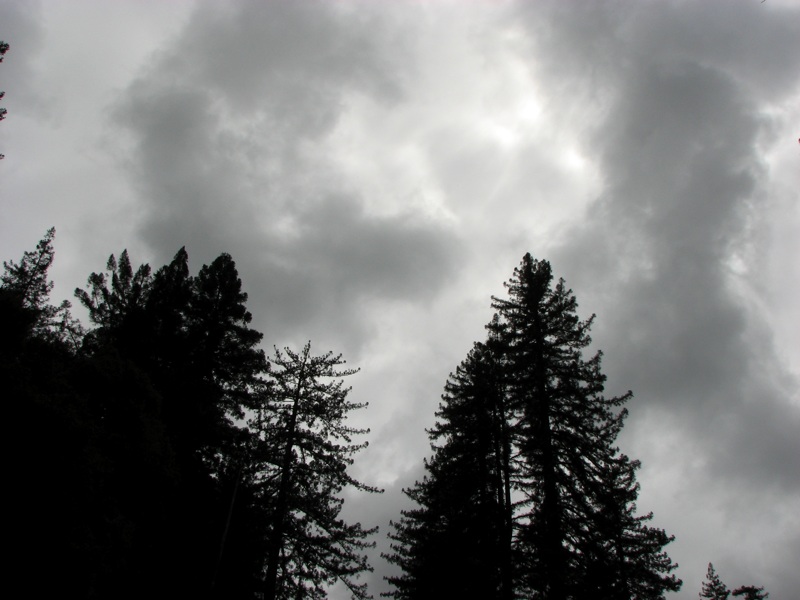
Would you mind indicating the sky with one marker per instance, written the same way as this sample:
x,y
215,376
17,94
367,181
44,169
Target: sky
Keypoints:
x,y
378,169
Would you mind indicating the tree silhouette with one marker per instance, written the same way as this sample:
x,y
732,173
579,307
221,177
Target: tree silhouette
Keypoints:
x,y
26,284
463,523
309,446
713,588
544,502
190,337
750,592
188,468
579,492
88,438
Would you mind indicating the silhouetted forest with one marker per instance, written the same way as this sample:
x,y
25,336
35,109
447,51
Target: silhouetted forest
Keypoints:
x,y
161,453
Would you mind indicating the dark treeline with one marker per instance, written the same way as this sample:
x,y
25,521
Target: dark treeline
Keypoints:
x,y
160,453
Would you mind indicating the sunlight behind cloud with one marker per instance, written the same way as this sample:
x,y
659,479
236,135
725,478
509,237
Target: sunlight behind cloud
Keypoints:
x,y
513,111
573,160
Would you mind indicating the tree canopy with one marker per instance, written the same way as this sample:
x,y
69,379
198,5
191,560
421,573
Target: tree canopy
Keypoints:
x,y
526,489
164,454
714,589
310,546
160,428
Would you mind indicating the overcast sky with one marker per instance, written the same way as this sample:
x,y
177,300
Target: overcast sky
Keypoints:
x,y
378,169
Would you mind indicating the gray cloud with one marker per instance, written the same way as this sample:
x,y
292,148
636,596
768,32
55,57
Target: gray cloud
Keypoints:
x,y
226,127
21,27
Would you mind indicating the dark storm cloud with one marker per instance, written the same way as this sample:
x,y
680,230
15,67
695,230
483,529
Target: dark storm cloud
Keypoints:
x,y
227,130
320,280
681,174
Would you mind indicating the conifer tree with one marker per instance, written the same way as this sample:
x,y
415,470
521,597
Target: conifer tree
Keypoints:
x,y
26,285
190,337
190,334
457,543
308,448
713,588
91,424
580,492
572,531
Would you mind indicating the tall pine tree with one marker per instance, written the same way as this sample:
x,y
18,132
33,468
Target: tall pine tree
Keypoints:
x,y
564,498
457,542
308,447
579,491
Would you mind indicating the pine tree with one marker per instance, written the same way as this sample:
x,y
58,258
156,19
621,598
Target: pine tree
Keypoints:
x,y
580,493
308,447
190,337
89,437
26,286
457,543
713,588
45,477
623,555
190,334
529,436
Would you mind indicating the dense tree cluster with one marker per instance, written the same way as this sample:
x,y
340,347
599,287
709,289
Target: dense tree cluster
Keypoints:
x,y
526,494
162,453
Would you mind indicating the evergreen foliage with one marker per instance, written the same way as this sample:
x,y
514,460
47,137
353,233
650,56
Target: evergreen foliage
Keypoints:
x,y
157,485
534,427
309,447
713,588
190,338
457,542
26,286
164,455
750,592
